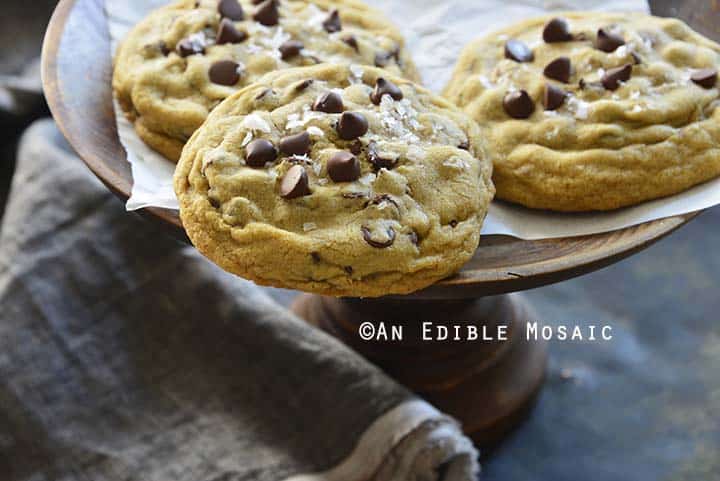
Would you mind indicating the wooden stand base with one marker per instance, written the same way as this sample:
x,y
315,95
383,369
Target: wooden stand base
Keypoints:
x,y
485,373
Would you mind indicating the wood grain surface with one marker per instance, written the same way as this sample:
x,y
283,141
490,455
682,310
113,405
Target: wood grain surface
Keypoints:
x,y
77,70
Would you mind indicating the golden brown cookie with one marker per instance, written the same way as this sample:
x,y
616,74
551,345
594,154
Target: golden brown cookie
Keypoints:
x,y
337,180
178,63
593,111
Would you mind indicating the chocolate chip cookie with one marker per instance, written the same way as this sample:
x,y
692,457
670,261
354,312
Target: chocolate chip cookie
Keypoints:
x,y
593,111
177,64
339,180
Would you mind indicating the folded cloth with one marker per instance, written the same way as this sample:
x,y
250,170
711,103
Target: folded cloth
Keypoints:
x,y
125,355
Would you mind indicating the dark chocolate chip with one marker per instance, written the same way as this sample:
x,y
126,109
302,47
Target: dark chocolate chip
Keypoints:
x,y
518,51
557,30
304,84
356,147
329,102
352,125
608,41
352,42
259,152
290,49
554,97
518,104
377,160
297,144
294,183
227,33
332,22
613,77
224,72
414,238
559,69
267,13
187,47
379,244
385,87
343,167
230,9
706,78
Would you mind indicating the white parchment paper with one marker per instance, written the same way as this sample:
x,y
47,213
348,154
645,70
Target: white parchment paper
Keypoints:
x,y
436,32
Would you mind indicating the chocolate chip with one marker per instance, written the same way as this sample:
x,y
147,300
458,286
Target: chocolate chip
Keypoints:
x,y
304,84
613,77
162,46
557,30
227,33
230,9
582,84
706,78
518,51
259,152
329,102
453,223
315,257
290,49
554,97
343,167
379,244
332,22
267,13
352,42
518,104
298,144
294,183
352,125
385,87
224,72
414,238
608,41
559,69
356,147
187,47
377,160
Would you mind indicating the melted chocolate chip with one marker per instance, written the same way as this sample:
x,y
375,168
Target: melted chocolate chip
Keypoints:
x,y
352,125
267,13
559,69
224,72
227,33
303,85
519,104
230,9
290,49
259,152
332,22
379,244
329,102
518,51
187,47
557,30
554,97
298,144
385,87
613,77
608,41
351,41
706,78
295,183
377,160
343,167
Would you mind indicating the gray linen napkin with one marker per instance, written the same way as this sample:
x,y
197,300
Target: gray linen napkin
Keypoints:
x,y
125,355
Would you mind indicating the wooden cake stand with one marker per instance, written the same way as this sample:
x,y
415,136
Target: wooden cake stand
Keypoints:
x,y
488,385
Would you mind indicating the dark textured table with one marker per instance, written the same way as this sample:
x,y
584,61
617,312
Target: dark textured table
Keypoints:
x,y
644,406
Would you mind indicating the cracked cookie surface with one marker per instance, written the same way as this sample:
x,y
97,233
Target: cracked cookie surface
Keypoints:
x,y
592,111
338,180
182,60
